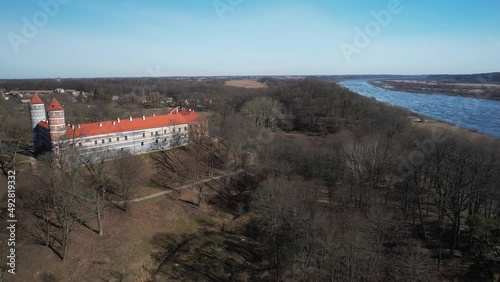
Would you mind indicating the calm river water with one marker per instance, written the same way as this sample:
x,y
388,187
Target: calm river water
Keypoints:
x,y
482,115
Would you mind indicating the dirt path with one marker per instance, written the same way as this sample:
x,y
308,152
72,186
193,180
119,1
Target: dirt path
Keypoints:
x,y
178,188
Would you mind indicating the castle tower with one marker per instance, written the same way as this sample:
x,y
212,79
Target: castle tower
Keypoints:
x,y
37,110
57,126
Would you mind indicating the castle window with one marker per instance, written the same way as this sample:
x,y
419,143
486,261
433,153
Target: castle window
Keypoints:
x,y
117,139
126,137
102,141
156,141
109,140
142,143
80,144
143,134
185,128
165,131
95,142
151,134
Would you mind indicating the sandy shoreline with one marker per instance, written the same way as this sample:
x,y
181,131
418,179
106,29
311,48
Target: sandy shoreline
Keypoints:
x,y
434,124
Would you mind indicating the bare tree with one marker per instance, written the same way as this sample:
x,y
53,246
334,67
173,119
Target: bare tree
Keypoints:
x,y
200,193
128,173
365,164
411,264
198,137
65,206
484,243
56,204
264,111
99,181
40,202
12,136
461,172
272,202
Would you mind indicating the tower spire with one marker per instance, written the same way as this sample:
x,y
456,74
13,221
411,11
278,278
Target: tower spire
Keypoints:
x,y
57,125
37,110
54,106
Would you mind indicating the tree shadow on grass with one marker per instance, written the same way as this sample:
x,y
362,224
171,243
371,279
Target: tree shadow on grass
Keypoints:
x,y
84,224
38,237
208,256
232,195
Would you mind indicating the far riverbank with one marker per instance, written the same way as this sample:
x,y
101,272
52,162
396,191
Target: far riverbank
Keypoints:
x,y
486,91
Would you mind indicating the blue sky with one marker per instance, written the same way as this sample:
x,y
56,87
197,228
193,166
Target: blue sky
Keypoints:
x,y
108,38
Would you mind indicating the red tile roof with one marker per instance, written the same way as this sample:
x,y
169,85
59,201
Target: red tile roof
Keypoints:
x,y
54,106
192,116
35,100
44,124
107,127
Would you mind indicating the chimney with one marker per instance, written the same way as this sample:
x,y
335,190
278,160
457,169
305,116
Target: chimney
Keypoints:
x,y
130,118
154,115
176,110
73,127
143,117
114,122
78,125
69,124
100,124
118,120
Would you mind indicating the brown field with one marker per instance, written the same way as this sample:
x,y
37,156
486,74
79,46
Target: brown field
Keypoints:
x,y
245,83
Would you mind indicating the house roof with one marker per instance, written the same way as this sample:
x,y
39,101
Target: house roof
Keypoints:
x,y
109,127
54,106
44,124
35,100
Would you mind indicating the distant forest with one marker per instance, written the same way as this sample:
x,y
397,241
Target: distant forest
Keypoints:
x,y
493,77
139,84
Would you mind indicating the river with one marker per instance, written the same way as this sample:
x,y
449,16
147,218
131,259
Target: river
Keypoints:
x,y
479,114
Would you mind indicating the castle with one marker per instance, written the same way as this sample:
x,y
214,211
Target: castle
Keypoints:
x,y
135,135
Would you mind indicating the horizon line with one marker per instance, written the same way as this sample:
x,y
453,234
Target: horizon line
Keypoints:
x,y
252,75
